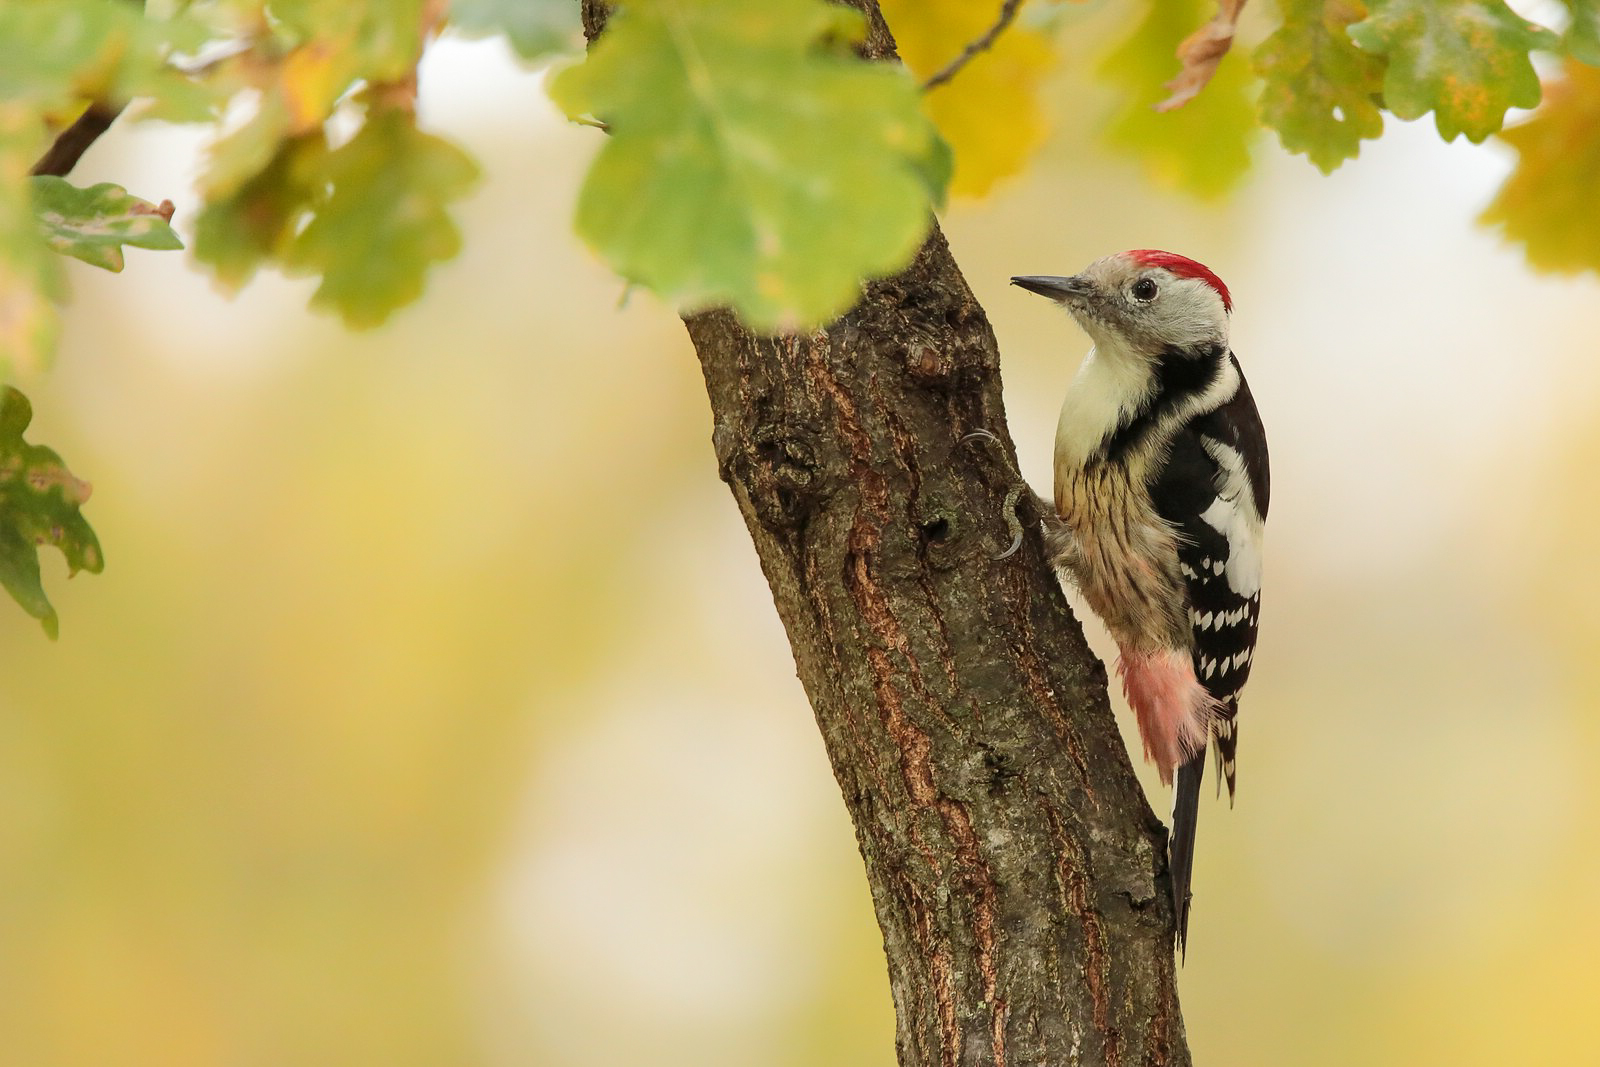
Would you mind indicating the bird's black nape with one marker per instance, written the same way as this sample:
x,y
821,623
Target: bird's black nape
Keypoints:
x,y
1185,820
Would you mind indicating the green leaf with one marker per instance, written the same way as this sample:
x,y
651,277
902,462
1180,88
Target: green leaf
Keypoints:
x,y
747,165
39,502
1318,89
535,28
1202,147
936,168
1548,203
320,52
383,222
71,50
237,234
28,322
295,95
1583,35
234,159
93,224
1464,60
30,277
380,38
56,56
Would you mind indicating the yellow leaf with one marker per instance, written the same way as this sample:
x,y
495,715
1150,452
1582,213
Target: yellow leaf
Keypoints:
x,y
312,79
30,277
1547,205
27,322
990,111
297,94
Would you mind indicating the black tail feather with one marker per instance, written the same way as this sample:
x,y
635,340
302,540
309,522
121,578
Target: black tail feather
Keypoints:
x,y
1225,735
1185,820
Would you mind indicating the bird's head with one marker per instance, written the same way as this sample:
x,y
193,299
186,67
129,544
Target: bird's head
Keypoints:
x,y
1144,303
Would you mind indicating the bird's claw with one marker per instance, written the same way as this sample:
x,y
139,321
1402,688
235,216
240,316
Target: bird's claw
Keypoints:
x,y
1013,523
1013,498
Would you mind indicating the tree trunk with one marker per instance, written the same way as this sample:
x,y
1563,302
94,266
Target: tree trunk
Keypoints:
x,y
1017,872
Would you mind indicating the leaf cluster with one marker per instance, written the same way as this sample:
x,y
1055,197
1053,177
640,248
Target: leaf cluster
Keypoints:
x,y
285,183
1324,73
1328,69
753,160
39,502
753,155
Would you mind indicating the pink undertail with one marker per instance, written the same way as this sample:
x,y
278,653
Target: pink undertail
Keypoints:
x,y
1174,710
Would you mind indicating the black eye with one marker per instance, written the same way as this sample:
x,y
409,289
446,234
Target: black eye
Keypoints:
x,y
1144,289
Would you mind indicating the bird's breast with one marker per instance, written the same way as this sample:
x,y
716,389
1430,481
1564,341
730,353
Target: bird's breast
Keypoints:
x,y
1123,556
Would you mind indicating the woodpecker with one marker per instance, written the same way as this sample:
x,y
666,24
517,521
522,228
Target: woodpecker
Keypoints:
x,y
1161,490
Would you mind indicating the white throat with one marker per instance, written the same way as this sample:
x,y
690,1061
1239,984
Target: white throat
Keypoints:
x,y
1111,387
1112,384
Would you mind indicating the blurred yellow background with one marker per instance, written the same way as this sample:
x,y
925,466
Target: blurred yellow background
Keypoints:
x,y
431,709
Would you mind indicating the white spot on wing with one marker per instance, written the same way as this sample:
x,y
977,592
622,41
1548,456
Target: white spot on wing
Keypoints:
x,y
1234,515
1225,618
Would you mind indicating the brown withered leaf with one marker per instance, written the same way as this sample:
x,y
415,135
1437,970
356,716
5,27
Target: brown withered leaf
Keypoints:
x,y
1547,204
1200,53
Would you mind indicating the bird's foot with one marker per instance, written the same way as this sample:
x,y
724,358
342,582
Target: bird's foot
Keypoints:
x,y
1014,497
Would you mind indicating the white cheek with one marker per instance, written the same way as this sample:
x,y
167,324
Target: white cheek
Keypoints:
x,y
1189,312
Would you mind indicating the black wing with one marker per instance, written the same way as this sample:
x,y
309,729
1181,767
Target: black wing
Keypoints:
x,y
1214,489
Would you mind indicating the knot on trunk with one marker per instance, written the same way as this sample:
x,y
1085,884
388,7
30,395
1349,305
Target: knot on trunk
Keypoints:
x,y
774,464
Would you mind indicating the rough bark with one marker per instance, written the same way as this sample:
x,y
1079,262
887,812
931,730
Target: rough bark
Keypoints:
x,y
1017,871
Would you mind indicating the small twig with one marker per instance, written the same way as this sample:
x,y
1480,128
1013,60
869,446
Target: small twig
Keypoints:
x,y
72,142
1008,14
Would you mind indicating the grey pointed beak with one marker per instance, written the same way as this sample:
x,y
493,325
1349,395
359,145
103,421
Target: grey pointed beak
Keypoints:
x,y
1057,289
